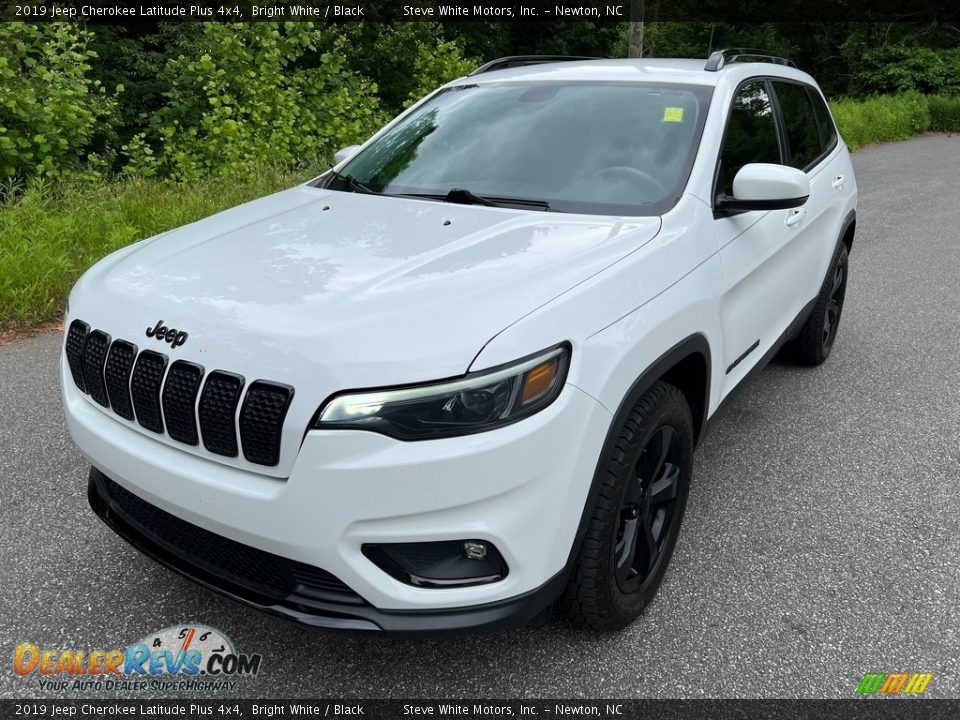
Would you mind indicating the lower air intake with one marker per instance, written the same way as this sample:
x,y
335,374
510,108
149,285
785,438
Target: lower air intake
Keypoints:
x,y
260,572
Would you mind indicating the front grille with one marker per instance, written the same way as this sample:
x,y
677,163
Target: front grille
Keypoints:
x,y
138,386
260,571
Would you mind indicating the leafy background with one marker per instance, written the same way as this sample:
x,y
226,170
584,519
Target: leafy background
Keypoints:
x,y
186,100
109,134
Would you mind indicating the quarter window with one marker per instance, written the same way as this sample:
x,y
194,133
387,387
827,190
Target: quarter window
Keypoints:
x,y
751,135
803,136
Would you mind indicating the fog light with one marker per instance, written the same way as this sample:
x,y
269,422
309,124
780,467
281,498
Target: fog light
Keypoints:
x,y
474,550
447,563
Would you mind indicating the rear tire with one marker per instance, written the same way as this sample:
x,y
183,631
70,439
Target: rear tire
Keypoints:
x,y
635,521
816,338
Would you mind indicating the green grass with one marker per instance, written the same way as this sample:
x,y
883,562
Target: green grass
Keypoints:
x,y
944,113
50,234
881,118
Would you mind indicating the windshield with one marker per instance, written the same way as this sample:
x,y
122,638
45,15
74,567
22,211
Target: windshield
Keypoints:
x,y
604,148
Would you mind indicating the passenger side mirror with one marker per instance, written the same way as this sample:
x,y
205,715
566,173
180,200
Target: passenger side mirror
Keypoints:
x,y
345,154
765,186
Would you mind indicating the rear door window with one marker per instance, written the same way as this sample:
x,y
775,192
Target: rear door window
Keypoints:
x,y
799,123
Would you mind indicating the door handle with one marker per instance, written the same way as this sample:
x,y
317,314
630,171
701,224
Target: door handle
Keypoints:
x,y
838,182
795,217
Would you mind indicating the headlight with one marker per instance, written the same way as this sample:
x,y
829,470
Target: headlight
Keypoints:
x,y
474,403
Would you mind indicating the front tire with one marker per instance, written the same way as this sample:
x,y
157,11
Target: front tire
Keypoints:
x,y
636,518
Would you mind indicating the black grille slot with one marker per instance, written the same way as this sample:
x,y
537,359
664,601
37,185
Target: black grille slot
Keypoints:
x,y
179,400
218,412
94,355
117,375
261,421
257,570
76,336
145,388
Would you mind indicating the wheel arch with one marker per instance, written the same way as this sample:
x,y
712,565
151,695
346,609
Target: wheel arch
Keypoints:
x,y
848,229
687,366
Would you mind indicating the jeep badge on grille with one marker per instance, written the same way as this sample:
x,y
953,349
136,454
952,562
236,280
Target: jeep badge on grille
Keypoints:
x,y
175,337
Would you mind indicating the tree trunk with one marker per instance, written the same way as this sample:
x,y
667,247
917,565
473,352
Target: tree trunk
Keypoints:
x,y
635,46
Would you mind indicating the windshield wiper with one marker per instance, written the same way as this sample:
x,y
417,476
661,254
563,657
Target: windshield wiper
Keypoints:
x,y
463,196
353,184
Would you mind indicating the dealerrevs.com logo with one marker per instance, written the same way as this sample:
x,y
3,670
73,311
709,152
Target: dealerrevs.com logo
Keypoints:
x,y
182,657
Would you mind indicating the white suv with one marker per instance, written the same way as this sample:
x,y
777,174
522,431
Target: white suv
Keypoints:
x,y
458,380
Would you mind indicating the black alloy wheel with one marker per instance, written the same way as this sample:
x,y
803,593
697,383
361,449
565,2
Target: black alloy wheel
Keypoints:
x,y
831,315
647,509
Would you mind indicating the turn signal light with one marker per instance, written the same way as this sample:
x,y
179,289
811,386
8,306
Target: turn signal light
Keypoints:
x,y
539,380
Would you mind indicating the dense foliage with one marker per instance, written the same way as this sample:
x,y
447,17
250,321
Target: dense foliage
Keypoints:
x,y
53,114
248,93
112,134
184,101
187,100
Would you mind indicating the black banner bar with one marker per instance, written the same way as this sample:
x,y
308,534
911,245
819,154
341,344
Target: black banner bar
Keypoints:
x,y
186,709
131,12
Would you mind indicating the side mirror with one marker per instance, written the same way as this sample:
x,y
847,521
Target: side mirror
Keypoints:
x,y
764,186
345,154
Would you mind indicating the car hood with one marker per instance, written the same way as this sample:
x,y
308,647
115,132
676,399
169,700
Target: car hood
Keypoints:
x,y
328,291
332,277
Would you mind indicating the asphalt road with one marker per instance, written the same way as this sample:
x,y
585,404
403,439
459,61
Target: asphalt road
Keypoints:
x,y
822,537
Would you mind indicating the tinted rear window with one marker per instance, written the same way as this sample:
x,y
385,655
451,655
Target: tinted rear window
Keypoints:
x,y
803,135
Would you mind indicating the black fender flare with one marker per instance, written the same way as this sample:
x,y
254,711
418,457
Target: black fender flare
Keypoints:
x,y
848,221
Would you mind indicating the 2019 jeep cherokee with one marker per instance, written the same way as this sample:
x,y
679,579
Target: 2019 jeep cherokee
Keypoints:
x,y
459,378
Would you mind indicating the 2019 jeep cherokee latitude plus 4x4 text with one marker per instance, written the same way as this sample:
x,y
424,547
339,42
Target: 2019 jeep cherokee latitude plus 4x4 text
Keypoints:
x,y
458,380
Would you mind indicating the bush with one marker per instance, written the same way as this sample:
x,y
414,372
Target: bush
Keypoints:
x,y
436,65
53,117
51,232
944,113
276,92
881,118
899,68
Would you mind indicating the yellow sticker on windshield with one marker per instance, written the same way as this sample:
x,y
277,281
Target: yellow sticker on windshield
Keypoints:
x,y
673,114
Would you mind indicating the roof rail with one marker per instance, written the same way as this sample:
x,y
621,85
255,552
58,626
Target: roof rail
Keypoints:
x,y
521,60
719,59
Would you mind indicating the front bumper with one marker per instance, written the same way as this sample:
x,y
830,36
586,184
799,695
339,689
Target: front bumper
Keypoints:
x,y
521,487
340,613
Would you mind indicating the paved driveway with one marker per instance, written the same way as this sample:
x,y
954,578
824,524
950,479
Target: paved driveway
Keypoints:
x,y
822,538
